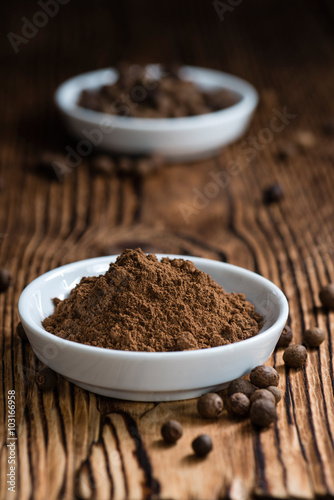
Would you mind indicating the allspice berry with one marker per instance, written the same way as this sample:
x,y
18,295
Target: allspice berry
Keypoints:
x,y
21,332
238,405
262,393
5,279
295,356
262,376
273,194
276,392
210,405
263,412
46,379
285,338
314,336
326,296
241,385
202,445
171,431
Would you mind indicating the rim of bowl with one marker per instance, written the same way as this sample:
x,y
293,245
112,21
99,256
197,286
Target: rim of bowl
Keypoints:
x,y
246,105
24,297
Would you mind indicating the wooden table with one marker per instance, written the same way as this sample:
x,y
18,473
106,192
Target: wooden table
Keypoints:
x,y
73,444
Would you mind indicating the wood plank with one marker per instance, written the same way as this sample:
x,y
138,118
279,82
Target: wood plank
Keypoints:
x,y
74,444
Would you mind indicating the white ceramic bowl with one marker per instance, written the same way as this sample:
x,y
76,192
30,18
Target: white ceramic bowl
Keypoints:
x,y
147,376
175,138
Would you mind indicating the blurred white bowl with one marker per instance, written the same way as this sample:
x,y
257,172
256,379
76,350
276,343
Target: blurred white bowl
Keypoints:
x,y
175,138
147,376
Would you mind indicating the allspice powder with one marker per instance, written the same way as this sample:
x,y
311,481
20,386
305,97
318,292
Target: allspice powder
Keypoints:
x,y
142,304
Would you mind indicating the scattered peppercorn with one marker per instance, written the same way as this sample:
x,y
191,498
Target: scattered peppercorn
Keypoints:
x,y
210,405
314,336
202,445
171,431
5,279
263,376
263,412
262,393
21,332
276,392
273,194
295,356
326,296
238,405
285,338
46,379
241,385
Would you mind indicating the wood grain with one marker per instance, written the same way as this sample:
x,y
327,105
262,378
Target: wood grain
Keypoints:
x,y
74,444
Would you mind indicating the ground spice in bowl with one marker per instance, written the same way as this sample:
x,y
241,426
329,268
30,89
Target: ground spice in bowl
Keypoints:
x,y
143,304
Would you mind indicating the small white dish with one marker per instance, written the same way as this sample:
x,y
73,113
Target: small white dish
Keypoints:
x,y
147,376
175,138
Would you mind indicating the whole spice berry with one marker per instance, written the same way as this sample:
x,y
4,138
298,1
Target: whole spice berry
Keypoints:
x,y
171,431
295,356
21,332
326,296
262,376
241,385
276,392
263,412
238,405
314,336
210,405
5,279
262,393
202,445
46,379
285,338
273,194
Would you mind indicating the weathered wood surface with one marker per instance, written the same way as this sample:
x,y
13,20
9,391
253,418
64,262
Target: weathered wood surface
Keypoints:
x,y
72,444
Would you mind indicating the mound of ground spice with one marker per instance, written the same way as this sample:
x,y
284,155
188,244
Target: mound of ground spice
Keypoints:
x,y
142,304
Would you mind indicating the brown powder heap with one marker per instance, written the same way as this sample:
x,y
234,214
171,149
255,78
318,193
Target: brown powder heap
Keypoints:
x,y
141,304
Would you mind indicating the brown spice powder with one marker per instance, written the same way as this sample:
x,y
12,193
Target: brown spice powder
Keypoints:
x,y
142,304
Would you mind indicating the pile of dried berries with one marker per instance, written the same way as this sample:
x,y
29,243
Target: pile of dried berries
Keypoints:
x,y
257,398
144,92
